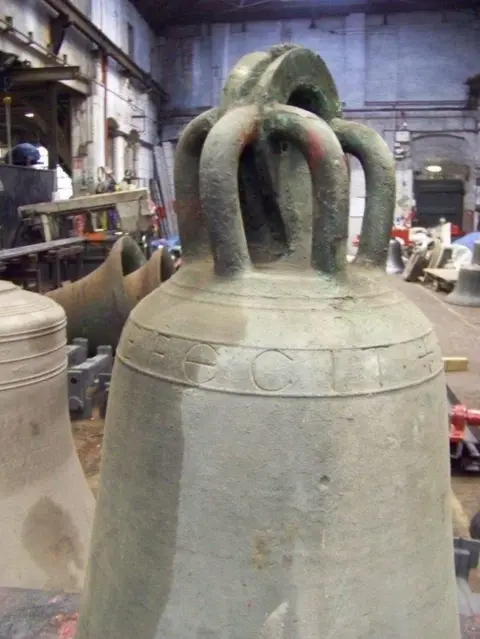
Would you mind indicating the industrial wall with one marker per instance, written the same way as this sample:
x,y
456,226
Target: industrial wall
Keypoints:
x,y
114,98
401,71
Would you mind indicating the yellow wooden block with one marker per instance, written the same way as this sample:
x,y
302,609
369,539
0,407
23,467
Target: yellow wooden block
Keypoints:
x,y
455,364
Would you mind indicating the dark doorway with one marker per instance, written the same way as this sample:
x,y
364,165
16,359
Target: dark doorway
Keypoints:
x,y
437,199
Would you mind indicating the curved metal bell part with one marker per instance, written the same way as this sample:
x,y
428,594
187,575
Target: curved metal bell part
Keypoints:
x,y
379,168
264,473
467,287
299,77
148,277
327,231
187,196
274,181
97,306
395,264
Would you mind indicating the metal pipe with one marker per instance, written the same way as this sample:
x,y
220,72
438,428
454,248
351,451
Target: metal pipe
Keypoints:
x,y
104,64
375,111
7,102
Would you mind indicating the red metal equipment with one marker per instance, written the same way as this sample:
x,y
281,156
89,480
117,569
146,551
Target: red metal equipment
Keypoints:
x,y
403,233
460,418
400,233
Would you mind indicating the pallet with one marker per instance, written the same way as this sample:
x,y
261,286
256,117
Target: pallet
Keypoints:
x,y
440,279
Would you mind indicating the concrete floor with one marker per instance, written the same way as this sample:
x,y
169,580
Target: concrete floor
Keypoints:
x,y
458,330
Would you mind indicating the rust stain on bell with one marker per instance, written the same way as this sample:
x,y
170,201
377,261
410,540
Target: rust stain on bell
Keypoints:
x,y
259,478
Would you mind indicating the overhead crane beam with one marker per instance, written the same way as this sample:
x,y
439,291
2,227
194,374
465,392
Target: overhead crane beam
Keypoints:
x,y
40,75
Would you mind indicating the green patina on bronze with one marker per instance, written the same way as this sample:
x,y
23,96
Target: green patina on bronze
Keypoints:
x,y
301,78
329,177
377,163
187,195
273,177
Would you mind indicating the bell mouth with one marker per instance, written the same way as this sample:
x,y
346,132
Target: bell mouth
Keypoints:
x,y
131,256
167,266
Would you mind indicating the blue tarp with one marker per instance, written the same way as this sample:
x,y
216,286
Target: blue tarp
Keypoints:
x,y
469,240
173,243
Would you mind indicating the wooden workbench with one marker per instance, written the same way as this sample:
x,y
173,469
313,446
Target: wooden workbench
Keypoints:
x,y
29,259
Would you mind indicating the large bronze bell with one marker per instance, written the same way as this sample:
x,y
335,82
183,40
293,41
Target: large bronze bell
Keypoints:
x,y
467,287
46,506
265,470
97,306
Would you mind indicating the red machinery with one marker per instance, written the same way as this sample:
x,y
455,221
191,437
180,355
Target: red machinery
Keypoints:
x,y
403,233
460,418
464,434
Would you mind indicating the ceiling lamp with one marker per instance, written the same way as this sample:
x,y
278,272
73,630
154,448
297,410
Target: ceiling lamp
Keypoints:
x,y
29,114
433,168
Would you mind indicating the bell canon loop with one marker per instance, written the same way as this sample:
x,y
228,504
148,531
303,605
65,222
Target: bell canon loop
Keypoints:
x,y
264,472
46,506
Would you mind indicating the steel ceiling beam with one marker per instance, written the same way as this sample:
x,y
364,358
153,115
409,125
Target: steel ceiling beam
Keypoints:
x,y
84,25
40,75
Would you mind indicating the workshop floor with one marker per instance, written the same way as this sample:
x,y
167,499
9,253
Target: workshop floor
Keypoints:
x,y
458,330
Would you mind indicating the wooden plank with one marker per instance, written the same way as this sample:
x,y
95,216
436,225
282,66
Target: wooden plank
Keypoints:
x,y
446,274
97,201
41,247
455,364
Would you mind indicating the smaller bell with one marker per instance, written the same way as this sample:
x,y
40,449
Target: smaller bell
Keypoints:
x,y
467,288
475,527
395,263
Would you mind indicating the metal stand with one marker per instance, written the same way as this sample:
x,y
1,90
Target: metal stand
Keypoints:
x,y
88,377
